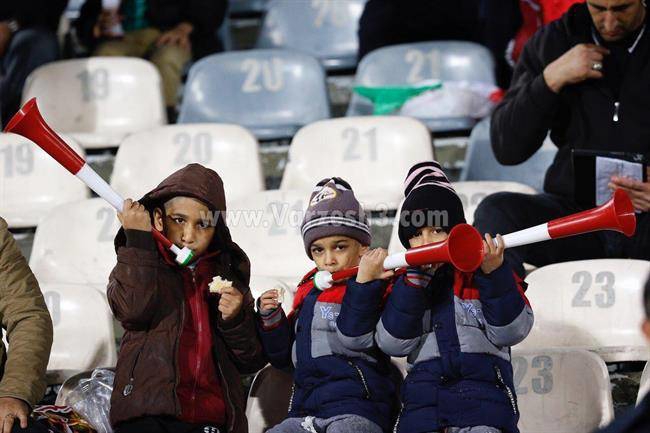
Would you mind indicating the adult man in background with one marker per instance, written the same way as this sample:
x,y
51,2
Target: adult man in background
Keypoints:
x,y
584,78
28,326
27,41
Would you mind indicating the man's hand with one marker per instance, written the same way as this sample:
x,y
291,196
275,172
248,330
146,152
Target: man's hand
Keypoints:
x,y
575,66
10,410
105,22
639,192
134,216
5,37
372,266
230,303
493,257
269,301
179,35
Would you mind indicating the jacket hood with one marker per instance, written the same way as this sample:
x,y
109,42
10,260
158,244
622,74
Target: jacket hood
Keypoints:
x,y
204,184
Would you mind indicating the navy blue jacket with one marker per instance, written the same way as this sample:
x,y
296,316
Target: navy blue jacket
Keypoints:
x,y
634,421
328,339
456,330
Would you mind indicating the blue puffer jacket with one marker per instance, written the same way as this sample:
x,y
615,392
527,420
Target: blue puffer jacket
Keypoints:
x,y
338,368
456,330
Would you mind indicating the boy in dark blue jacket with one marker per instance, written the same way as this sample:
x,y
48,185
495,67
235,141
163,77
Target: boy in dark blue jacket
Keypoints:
x,y
456,328
341,380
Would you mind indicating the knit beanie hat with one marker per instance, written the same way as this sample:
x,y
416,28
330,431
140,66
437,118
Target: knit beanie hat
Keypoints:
x,y
334,211
430,201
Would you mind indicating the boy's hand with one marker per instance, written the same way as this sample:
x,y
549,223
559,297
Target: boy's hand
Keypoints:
x,y
493,253
372,266
134,216
269,301
13,411
230,303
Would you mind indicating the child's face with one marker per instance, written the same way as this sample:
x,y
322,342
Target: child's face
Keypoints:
x,y
427,235
335,253
182,223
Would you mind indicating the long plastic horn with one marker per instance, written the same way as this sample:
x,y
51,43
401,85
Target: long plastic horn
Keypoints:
x,y
29,123
617,214
463,249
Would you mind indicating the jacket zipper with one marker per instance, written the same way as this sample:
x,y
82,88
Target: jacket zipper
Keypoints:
x,y
293,391
200,344
617,106
176,364
362,377
399,416
128,388
232,407
506,388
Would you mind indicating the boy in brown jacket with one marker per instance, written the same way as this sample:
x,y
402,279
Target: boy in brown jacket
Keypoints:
x,y
182,354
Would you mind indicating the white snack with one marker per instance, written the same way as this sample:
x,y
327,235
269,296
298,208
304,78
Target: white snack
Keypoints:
x,y
218,284
280,294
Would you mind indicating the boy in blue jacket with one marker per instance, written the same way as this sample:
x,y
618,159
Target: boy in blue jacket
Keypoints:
x,y
341,380
456,328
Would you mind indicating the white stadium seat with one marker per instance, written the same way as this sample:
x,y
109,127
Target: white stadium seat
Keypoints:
x,y
98,100
259,285
644,386
372,153
562,391
74,244
144,159
591,304
268,399
32,183
267,226
83,329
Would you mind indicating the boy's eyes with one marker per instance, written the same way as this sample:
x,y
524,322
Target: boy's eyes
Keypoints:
x,y
316,250
178,220
204,225
341,247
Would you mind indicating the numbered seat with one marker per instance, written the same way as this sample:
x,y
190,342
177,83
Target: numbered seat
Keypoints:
x,y
481,164
98,100
74,244
562,391
644,386
267,226
144,159
372,153
83,329
590,304
259,285
268,399
411,64
271,92
32,183
324,29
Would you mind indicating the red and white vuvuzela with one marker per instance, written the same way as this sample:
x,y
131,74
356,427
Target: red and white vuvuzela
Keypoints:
x,y
29,123
463,249
617,215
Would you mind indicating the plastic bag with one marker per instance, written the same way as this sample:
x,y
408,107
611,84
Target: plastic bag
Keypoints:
x,y
91,399
454,99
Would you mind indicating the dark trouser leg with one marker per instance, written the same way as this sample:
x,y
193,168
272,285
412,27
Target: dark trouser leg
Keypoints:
x,y
507,212
28,49
637,247
32,427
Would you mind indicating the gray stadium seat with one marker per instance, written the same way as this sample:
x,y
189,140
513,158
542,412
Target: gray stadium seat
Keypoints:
x,y
410,64
324,29
271,92
480,163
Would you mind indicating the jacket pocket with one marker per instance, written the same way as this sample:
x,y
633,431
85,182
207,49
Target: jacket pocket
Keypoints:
x,y
128,388
506,389
362,378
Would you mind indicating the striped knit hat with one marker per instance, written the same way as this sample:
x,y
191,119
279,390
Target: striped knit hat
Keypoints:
x,y
430,201
334,211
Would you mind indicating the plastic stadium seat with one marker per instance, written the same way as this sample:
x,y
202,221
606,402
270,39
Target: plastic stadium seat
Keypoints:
x,y
144,159
83,329
410,64
268,399
98,100
259,285
32,183
74,244
589,304
480,163
271,92
644,386
372,153
267,226
562,391
472,193
324,29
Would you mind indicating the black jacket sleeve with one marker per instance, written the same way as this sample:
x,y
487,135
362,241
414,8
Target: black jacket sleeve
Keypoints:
x,y
33,13
522,120
88,16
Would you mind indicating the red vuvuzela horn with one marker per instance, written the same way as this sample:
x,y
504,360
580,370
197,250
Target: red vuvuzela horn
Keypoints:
x,y
463,249
617,214
29,123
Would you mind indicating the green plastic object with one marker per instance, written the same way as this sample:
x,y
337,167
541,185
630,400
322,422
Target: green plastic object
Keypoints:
x,y
388,99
